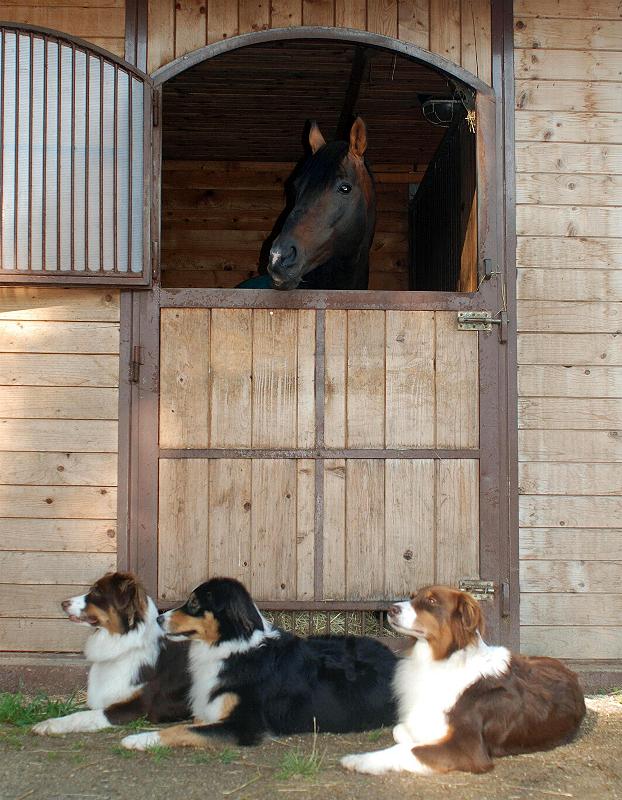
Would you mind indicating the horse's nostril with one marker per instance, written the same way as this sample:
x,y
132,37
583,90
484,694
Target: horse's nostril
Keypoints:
x,y
290,257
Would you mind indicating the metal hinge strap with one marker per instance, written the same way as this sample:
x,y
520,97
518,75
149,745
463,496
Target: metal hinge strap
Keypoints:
x,y
481,590
155,109
137,360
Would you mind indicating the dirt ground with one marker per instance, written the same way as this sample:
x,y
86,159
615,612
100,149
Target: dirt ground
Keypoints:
x,y
94,767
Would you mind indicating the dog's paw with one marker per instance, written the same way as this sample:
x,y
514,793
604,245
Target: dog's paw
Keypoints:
x,y
141,741
359,762
49,727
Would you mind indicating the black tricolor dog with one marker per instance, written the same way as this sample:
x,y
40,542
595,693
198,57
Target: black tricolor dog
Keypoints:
x,y
249,678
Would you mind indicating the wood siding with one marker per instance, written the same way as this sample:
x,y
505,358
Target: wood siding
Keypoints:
x,y
569,258
59,375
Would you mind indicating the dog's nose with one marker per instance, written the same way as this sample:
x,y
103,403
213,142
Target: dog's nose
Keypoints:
x,y
160,620
65,604
394,611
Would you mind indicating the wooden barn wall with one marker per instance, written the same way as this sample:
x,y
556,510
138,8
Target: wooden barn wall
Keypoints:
x,y
59,376
569,257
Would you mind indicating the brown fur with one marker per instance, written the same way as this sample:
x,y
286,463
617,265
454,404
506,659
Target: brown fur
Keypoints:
x,y
316,140
204,628
183,736
116,602
451,619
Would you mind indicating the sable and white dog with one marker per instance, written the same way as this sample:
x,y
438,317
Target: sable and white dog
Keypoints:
x,y
461,701
135,671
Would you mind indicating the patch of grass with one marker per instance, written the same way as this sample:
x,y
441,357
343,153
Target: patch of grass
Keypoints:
x,y
21,711
119,750
159,752
53,755
12,738
305,765
138,724
201,758
375,736
227,756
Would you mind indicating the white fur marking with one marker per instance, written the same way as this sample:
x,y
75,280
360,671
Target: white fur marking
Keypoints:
x,y
141,741
80,722
398,758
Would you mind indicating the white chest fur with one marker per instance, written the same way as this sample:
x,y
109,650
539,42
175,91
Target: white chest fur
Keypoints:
x,y
427,690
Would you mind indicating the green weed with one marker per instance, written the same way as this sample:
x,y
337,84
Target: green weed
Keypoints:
x,y
375,736
159,752
297,763
119,750
227,756
201,758
21,711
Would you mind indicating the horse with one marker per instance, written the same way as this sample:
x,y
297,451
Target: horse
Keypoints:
x,y
325,239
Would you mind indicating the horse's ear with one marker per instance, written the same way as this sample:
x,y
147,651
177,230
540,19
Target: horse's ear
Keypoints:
x,y
316,140
358,138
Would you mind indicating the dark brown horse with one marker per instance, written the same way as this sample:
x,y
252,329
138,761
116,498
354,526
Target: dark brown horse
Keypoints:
x,y
324,242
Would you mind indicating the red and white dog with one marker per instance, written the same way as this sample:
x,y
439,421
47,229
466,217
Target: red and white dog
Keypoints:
x,y
461,701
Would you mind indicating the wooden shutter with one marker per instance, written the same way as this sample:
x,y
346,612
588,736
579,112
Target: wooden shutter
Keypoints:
x,y
74,162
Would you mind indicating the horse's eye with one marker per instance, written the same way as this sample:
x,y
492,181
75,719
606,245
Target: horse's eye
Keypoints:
x,y
344,188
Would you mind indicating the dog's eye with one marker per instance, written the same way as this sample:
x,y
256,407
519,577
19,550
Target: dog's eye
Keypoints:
x,y
344,188
192,605
432,601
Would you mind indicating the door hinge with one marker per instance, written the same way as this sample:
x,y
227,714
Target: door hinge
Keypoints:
x,y
483,321
155,258
155,109
505,598
137,360
481,590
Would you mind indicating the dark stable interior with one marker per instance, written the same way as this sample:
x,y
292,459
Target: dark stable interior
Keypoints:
x,y
233,129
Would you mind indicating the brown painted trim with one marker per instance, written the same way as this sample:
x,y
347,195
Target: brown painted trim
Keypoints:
x,y
320,300
125,429
39,278
136,33
433,60
319,452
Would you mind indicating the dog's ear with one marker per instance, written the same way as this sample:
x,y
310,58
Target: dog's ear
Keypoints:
x,y
243,612
470,613
132,598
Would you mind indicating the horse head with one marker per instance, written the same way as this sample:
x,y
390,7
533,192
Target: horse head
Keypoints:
x,y
331,226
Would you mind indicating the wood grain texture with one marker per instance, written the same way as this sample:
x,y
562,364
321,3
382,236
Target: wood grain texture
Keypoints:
x,y
49,502
351,14
570,609
476,38
551,413
190,26
457,520
573,446
59,469
55,435
231,358
85,21
575,479
547,317
410,379
184,377
36,601
409,525
571,34
457,389
568,9
334,529
583,577
23,567
365,402
59,337
42,635
566,95
413,22
567,65
569,348
567,126
161,44
53,402
335,371
573,189
365,535
574,544
230,518
305,529
445,18
273,529
222,20
568,157
546,220
72,305
382,17
541,511
305,379
568,253
34,369
563,642
569,381
70,535
254,15
183,537
569,284
286,13
318,12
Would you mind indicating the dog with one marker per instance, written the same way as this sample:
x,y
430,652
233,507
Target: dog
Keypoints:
x,y
462,702
250,678
135,671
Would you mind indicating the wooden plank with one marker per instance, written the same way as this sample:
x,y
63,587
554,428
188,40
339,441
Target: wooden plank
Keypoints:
x,y
569,413
350,14
49,502
183,536
563,642
573,189
475,23
567,381
409,525
457,520
365,535
569,284
59,469
542,315
576,479
558,544
71,535
184,377
582,577
230,372
115,45
76,21
568,9
254,15
229,512
35,369
365,403
567,65
568,157
318,12
565,126
579,446
413,22
445,29
334,529
573,34
161,40
59,403
306,379
286,13
544,511
42,635
273,529
570,609
457,389
52,435
36,601
556,252
222,20
382,17
410,378
190,26
274,399
305,529
59,337
569,348
335,371
568,221
22,567
567,95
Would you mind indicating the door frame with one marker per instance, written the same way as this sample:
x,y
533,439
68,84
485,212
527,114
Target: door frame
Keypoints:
x,y
139,373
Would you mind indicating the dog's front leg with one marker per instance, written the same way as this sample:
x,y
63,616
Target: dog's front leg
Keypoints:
x,y
80,722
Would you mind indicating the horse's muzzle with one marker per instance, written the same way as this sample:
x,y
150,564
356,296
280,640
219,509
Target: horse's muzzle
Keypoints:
x,y
281,267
